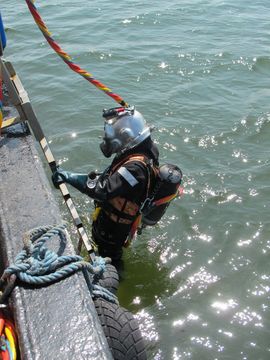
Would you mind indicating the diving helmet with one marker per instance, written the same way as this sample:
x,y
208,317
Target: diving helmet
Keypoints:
x,y
124,129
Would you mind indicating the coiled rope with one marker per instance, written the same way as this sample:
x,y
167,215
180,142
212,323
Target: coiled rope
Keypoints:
x,y
67,59
37,265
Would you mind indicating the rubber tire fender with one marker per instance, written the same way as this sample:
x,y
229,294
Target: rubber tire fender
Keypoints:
x,y
110,279
121,330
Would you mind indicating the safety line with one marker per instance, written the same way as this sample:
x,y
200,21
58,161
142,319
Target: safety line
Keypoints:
x,y
67,59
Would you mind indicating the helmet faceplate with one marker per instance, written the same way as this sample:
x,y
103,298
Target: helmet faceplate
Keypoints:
x,y
124,129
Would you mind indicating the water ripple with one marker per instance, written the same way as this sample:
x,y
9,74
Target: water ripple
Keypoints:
x,y
200,281
247,317
147,326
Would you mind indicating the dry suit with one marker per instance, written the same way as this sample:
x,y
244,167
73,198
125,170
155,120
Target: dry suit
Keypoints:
x,y
118,193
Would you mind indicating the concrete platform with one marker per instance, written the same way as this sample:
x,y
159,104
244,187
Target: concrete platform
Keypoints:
x,y
58,321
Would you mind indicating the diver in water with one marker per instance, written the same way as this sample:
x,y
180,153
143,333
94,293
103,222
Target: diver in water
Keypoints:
x,y
124,193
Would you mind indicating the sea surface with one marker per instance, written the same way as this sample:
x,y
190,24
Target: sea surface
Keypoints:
x,y
199,71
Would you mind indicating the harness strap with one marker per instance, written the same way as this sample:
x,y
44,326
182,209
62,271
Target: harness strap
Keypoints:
x,y
130,158
134,227
118,213
137,222
138,217
167,199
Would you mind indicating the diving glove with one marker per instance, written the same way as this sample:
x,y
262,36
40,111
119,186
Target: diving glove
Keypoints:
x,y
77,180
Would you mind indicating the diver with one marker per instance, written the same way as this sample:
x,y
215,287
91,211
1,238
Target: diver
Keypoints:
x,y
129,192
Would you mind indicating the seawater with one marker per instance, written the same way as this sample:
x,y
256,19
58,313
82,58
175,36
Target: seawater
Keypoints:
x,y
199,283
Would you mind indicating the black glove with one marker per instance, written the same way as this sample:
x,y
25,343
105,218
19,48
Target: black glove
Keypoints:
x,y
59,176
77,180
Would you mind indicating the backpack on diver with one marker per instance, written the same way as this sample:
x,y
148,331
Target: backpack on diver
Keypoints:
x,y
167,187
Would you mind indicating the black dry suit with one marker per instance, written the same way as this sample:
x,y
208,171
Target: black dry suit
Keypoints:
x,y
119,193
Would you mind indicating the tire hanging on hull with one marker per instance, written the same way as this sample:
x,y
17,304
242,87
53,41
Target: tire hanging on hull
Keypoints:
x,y
121,330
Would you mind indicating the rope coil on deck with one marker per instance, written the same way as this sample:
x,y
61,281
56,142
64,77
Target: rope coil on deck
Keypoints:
x,y
37,265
